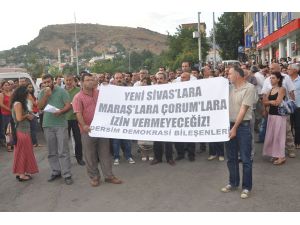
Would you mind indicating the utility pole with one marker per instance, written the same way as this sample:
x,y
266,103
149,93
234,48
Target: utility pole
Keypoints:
x,y
129,61
199,42
214,41
76,48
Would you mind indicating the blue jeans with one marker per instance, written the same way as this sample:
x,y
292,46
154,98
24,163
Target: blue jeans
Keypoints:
x,y
241,143
262,129
116,148
33,130
216,148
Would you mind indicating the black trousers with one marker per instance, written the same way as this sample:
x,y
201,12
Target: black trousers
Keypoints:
x,y
182,147
73,125
295,124
159,147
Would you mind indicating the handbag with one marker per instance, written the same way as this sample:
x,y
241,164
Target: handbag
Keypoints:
x,y
8,135
287,107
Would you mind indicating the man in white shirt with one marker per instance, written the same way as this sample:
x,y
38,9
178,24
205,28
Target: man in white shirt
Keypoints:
x,y
260,77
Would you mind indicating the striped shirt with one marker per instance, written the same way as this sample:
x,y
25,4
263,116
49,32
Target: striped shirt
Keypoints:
x,y
85,104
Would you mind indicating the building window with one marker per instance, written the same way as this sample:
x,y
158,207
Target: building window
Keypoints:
x,y
265,16
256,32
275,21
295,46
284,18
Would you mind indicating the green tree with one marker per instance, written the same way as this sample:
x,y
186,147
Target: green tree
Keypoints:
x,y
183,47
230,34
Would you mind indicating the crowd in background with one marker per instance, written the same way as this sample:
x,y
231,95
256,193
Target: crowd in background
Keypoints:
x,y
70,123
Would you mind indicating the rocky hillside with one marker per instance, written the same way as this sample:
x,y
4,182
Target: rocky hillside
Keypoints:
x,y
98,38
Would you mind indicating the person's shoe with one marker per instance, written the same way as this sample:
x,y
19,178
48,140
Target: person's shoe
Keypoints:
x,y
81,162
116,162
113,180
171,162
144,158
54,177
221,158
228,188
192,159
279,161
211,157
151,158
179,158
292,155
95,182
131,161
68,180
245,194
273,159
23,179
155,161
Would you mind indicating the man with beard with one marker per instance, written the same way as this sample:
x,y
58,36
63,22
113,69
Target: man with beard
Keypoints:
x,y
56,129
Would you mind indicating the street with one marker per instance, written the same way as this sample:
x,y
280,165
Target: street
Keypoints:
x,y
188,186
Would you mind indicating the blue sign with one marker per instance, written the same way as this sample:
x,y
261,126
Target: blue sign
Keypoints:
x,y
248,43
241,49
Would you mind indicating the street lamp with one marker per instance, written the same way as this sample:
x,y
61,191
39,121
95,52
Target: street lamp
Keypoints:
x,y
129,69
197,34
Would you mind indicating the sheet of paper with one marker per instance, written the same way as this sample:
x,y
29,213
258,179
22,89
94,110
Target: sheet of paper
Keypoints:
x,y
50,108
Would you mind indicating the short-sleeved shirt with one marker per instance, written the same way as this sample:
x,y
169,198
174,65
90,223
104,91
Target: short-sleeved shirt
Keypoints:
x,y
85,104
70,114
244,95
287,83
297,91
58,98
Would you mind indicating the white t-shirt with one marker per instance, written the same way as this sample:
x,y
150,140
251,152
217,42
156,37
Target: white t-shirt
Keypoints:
x,y
138,83
260,78
287,83
178,79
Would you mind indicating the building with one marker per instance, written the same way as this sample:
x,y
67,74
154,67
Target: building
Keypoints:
x,y
277,35
250,47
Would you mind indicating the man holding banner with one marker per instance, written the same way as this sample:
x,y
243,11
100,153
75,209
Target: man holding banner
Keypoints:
x,y
95,149
158,146
241,99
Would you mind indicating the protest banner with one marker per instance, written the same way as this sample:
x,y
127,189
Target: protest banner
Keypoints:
x,y
192,111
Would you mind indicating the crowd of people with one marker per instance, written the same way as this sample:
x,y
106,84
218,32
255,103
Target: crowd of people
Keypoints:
x,y
255,95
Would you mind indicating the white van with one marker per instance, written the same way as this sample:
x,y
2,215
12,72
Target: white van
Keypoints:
x,y
18,75
231,62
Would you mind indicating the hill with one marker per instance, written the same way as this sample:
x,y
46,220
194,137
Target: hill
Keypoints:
x,y
93,40
98,38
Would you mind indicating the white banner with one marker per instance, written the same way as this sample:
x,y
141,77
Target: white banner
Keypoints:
x,y
192,111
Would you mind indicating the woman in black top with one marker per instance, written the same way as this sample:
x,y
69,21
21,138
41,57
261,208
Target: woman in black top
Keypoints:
x,y
274,144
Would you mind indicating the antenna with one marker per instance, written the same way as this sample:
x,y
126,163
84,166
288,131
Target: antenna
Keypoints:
x,y
76,48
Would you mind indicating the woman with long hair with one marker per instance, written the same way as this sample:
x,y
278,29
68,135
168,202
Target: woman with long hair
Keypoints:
x,y
5,110
24,160
275,138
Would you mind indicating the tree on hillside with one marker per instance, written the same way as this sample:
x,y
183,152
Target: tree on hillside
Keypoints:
x,y
182,46
230,34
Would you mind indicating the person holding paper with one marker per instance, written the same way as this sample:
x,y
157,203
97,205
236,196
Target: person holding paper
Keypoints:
x,y
56,129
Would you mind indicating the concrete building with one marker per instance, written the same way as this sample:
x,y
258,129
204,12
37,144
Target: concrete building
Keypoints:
x,y
250,46
277,35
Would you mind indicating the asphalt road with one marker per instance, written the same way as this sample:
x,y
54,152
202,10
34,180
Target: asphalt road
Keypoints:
x,y
188,186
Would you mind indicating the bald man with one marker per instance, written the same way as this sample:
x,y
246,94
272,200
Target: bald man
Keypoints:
x,y
182,147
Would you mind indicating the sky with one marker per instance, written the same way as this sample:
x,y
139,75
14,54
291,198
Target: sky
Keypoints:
x,y
21,20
